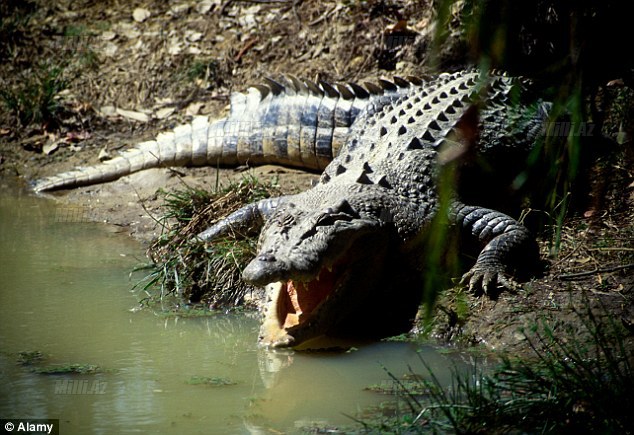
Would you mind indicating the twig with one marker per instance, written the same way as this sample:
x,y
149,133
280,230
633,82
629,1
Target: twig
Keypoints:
x,y
324,15
228,3
611,249
572,276
158,221
571,253
264,1
250,43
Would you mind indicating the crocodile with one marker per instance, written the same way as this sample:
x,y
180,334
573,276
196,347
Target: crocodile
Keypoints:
x,y
347,257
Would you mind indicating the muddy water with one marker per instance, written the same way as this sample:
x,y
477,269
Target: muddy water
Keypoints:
x,y
65,292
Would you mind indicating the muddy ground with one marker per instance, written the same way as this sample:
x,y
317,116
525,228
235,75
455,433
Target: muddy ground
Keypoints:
x,y
91,78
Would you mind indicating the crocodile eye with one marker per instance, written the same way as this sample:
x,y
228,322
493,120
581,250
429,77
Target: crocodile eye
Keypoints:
x,y
329,217
324,219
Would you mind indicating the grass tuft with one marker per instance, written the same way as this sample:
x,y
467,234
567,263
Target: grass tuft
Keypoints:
x,y
27,358
575,381
214,381
64,369
35,100
190,272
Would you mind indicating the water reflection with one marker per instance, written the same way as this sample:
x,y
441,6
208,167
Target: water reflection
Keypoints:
x,y
65,291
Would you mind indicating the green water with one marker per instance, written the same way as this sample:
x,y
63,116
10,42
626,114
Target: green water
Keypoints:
x,y
65,291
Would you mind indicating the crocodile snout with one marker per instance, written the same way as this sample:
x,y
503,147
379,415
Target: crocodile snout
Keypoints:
x,y
263,269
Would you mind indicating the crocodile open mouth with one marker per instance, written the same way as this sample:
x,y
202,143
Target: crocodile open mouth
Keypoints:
x,y
295,305
298,300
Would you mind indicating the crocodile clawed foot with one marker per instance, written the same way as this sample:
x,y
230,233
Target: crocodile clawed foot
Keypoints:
x,y
488,280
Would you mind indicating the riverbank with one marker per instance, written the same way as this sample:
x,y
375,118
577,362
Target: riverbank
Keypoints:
x,y
87,81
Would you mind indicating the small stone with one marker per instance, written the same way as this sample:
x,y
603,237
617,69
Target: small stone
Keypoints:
x,y
108,110
140,14
108,35
204,6
193,36
104,155
50,148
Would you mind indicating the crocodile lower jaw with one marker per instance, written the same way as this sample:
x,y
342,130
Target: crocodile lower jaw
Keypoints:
x,y
295,307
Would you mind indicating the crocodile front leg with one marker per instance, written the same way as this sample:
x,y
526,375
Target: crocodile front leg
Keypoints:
x,y
507,248
243,222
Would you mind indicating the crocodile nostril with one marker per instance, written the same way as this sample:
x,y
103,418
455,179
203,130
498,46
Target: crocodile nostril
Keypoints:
x,y
269,258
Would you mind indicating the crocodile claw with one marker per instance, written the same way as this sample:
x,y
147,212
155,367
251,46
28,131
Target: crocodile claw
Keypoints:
x,y
488,280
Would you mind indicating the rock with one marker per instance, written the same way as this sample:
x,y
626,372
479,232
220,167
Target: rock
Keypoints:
x,y
140,14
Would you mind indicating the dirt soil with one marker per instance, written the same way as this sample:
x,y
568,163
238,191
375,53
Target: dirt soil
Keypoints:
x,y
120,72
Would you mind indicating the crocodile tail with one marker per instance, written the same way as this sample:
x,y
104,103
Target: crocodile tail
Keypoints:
x,y
292,122
175,148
